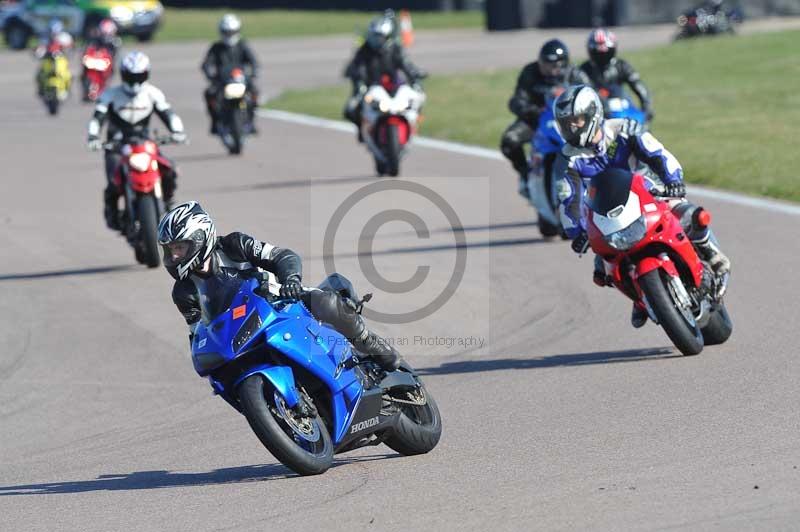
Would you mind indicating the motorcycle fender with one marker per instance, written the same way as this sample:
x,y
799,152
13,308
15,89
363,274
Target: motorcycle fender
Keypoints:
x,y
649,264
402,128
280,377
399,379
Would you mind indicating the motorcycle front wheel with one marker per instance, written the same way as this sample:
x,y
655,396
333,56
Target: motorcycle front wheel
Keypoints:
x,y
148,220
392,151
684,333
302,444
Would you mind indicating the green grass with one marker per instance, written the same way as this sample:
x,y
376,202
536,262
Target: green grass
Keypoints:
x,y
189,24
727,107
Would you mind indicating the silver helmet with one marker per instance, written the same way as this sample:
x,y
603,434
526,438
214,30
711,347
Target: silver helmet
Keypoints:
x,y
187,236
579,115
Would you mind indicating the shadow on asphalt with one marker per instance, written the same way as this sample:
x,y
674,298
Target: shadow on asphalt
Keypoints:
x,y
501,242
293,183
491,227
576,359
145,480
67,273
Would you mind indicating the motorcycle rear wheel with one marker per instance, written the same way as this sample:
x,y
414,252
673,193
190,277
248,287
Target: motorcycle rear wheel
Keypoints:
x,y
52,105
285,440
234,135
419,427
687,337
719,326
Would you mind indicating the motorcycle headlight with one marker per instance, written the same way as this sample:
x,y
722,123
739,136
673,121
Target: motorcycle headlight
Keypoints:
x,y
235,91
140,161
625,239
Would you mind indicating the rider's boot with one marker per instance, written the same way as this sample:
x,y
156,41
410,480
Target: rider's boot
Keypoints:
x,y
111,209
378,349
638,316
522,184
708,250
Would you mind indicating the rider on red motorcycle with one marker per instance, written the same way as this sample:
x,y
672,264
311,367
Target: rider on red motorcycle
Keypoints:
x,y
594,144
105,37
128,108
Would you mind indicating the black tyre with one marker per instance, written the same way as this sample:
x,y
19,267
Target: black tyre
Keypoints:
x,y
236,127
305,449
719,326
547,229
684,333
145,37
148,223
17,35
419,427
52,104
392,151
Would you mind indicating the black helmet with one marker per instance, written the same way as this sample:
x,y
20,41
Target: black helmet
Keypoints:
x,y
602,46
381,31
553,59
187,236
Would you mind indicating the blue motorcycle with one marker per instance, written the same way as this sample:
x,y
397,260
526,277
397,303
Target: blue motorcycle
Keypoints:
x,y
304,390
545,146
617,104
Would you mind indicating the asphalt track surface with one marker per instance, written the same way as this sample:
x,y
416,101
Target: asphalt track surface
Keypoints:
x,y
564,419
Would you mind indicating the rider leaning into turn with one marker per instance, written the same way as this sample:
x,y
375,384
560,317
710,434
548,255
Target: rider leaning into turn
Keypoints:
x,y
606,70
381,54
193,255
535,83
229,52
128,108
594,144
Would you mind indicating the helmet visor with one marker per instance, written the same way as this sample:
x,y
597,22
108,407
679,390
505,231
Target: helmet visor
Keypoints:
x,y
572,127
175,253
552,69
133,78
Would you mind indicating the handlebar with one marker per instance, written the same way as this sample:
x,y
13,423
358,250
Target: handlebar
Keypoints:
x,y
116,145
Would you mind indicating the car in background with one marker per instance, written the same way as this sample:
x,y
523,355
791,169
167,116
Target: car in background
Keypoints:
x,y
25,19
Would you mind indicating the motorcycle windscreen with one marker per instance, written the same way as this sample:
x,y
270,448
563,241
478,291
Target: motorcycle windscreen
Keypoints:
x,y
609,190
217,292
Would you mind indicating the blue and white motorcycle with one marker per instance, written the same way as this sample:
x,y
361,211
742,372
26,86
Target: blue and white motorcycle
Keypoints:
x,y
545,146
304,390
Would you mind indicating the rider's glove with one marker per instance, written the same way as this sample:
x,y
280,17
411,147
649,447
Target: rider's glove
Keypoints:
x,y
675,190
580,244
291,288
94,143
179,137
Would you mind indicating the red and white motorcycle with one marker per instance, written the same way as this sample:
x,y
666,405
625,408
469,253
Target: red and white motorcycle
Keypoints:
x,y
390,113
649,258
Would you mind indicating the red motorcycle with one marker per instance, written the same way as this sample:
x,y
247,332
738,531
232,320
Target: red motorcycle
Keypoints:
x,y
97,71
138,175
649,258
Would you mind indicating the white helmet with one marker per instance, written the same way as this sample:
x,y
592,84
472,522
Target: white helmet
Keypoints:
x,y
187,235
134,70
579,115
229,28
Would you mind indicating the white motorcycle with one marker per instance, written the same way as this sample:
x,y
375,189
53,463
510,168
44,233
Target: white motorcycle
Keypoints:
x,y
389,118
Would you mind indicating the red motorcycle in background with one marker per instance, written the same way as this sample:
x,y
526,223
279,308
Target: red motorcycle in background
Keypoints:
x,y
98,67
649,258
139,177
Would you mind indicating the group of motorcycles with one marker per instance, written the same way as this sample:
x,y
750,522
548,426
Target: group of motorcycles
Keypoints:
x,y
644,249
54,79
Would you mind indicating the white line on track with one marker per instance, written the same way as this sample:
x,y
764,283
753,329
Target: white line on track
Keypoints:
x,y
485,153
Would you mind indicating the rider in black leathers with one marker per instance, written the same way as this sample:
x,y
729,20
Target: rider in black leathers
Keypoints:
x,y
534,84
380,54
193,254
606,70
229,52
